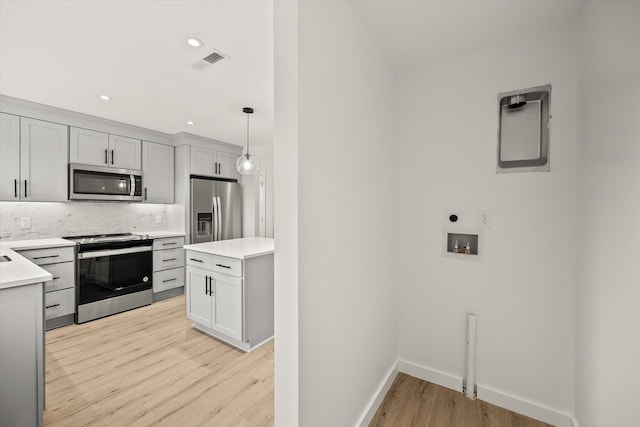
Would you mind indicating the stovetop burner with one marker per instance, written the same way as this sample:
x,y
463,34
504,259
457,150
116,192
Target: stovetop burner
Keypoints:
x,y
106,238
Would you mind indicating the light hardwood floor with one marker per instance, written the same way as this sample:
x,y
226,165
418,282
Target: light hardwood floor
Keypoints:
x,y
149,367
413,402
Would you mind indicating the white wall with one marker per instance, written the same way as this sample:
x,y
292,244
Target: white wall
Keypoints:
x,y
524,292
251,196
340,217
285,152
78,218
608,297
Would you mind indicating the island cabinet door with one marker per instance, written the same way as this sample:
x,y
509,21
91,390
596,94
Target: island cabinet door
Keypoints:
x,y
227,306
199,304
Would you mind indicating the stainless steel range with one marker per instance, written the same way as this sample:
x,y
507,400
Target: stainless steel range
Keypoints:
x,y
114,273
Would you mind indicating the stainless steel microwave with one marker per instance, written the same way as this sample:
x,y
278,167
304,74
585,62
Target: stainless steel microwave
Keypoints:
x,y
88,182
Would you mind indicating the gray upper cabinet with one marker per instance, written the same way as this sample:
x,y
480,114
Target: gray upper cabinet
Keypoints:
x,y
90,147
34,160
9,156
208,162
43,160
158,172
204,161
227,165
125,152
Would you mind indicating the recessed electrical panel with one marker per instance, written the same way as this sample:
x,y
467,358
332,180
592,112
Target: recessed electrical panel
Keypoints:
x,y
523,130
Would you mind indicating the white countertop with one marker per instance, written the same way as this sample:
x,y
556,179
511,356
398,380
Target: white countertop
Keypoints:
x,y
248,247
21,245
20,271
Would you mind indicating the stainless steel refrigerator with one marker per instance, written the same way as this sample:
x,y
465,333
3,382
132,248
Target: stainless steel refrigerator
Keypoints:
x,y
216,210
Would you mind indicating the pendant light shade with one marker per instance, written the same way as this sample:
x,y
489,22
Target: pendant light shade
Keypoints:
x,y
246,163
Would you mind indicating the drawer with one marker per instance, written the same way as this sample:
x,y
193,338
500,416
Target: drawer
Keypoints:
x,y
168,243
215,263
228,266
49,256
198,259
64,276
168,279
59,303
171,258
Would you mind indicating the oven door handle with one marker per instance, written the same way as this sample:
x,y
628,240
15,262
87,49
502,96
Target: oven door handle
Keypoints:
x,y
110,252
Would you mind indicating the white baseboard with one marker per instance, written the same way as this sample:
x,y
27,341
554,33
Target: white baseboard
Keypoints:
x,y
524,407
378,396
432,375
504,400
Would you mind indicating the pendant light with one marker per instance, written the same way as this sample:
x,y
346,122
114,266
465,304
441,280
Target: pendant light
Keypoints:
x,y
246,163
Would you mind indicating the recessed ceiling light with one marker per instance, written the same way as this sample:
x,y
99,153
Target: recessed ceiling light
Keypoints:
x,y
190,122
105,97
192,41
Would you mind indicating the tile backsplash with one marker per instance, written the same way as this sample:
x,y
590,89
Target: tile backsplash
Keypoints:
x,y
78,218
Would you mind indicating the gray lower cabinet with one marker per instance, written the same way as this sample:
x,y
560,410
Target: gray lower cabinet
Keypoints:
x,y
168,267
231,299
60,292
21,356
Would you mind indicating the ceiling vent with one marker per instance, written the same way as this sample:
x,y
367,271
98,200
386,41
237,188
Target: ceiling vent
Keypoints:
x,y
206,62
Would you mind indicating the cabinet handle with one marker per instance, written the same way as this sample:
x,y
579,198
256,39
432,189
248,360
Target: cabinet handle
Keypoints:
x,y
196,260
170,259
55,277
145,193
112,156
48,256
106,156
171,243
206,285
169,280
51,306
25,188
15,188
223,266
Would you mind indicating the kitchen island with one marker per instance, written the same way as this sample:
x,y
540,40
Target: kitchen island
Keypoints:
x,y
229,289
21,340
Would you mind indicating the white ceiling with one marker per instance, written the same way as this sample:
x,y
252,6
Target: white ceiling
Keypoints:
x,y
417,31
66,53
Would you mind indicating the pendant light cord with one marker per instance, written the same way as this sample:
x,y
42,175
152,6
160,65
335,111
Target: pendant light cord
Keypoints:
x,y
247,134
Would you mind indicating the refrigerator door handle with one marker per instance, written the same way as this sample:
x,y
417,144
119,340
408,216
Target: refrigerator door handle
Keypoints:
x,y
214,215
219,218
